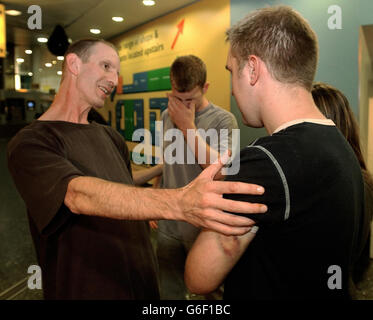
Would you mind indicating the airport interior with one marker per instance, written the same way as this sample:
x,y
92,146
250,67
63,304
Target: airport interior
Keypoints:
x,y
148,36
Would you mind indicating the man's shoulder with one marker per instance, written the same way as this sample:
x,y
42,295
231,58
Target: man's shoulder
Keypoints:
x,y
26,134
217,117
296,138
164,113
111,131
215,109
272,144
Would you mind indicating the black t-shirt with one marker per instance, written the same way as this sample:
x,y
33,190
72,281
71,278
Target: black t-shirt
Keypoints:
x,y
82,257
315,198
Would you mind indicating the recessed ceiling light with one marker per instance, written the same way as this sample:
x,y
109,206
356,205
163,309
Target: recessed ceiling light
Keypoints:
x,y
60,58
54,62
148,2
48,64
42,39
30,74
95,31
28,51
13,12
20,60
117,19
59,73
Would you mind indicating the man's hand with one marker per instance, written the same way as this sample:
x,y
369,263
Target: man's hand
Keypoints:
x,y
182,116
203,205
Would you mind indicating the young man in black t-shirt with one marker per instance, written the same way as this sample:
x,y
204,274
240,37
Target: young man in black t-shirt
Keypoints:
x,y
302,247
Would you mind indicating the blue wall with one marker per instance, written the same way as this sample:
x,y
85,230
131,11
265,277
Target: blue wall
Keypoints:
x,y
338,49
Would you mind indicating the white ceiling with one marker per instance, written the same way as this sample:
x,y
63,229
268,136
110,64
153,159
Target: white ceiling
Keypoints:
x,y
78,16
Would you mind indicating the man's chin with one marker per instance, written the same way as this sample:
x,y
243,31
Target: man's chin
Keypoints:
x,y
252,124
99,105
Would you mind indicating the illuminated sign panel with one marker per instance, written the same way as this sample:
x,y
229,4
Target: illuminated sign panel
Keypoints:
x,y
2,32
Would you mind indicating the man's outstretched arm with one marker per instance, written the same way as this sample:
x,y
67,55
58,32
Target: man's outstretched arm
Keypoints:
x,y
200,203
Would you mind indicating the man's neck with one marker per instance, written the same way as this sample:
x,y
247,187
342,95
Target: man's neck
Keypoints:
x,y
66,106
288,104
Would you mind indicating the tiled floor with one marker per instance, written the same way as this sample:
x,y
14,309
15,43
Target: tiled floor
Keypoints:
x,y
16,249
17,252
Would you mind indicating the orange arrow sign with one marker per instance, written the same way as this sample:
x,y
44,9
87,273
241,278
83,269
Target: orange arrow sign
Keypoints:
x,y
180,28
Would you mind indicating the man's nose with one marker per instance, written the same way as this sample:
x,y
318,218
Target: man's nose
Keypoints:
x,y
113,80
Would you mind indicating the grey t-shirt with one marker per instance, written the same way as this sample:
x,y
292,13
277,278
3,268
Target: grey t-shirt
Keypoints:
x,y
177,175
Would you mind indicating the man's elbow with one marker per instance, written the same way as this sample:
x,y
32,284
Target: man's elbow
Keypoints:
x,y
71,196
196,286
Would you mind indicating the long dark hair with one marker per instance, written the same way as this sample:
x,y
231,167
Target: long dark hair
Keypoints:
x,y
335,106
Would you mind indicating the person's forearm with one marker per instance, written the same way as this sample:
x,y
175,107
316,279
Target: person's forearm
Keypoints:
x,y
142,176
93,196
204,154
211,258
200,203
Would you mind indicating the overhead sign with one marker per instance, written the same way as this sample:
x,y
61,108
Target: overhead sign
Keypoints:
x,y
2,32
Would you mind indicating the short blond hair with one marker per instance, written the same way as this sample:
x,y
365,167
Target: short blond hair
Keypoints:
x,y
282,38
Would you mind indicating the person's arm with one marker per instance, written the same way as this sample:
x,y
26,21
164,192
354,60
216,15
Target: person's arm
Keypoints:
x,y
183,118
142,176
212,257
200,203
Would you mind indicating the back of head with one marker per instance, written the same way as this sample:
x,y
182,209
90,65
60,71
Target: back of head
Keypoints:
x,y
282,38
334,105
188,72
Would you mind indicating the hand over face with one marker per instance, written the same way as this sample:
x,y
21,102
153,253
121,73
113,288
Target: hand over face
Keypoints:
x,y
181,115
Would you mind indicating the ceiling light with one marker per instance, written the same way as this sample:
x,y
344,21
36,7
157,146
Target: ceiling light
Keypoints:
x,y
30,74
148,2
95,31
48,64
54,62
60,58
59,73
117,19
13,12
42,40
20,60
28,51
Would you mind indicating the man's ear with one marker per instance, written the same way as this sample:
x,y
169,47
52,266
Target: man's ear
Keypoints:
x,y
205,87
73,63
254,69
